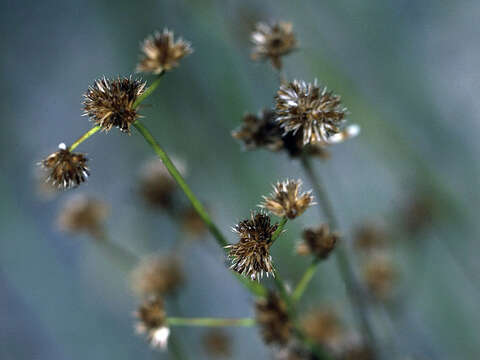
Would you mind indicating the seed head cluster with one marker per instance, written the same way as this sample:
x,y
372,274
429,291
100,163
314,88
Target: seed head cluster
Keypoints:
x,y
152,321
157,186
66,169
251,255
160,52
272,318
379,275
323,326
110,103
286,199
273,41
217,344
319,242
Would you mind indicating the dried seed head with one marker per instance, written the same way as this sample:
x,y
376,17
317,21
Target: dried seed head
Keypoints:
x,y
161,53
370,237
66,169
419,212
273,320
323,326
217,343
319,242
251,255
192,222
272,42
109,102
152,321
156,276
83,214
286,201
379,275
316,113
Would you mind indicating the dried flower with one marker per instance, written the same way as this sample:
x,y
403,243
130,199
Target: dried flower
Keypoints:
x,y
318,241
323,326
369,237
251,255
152,321
157,276
419,212
66,169
83,214
109,102
316,113
379,275
272,42
286,201
273,320
161,53
217,343
192,222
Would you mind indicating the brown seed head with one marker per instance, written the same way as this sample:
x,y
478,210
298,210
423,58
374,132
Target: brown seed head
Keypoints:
x,y
273,320
316,113
192,222
251,255
370,237
66,169
379,275
109,103
286,199
83,214
157,276
217,343
161,52
319,242
323,326
152,321
272,42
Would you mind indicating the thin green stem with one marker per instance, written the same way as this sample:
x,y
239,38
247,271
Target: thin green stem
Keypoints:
x,y
148,91
84,137
279,230
304,281
210,322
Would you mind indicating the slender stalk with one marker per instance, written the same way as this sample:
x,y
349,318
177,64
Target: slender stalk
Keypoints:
x,y
343,263
304,281
210,322
279,230
84,137
148,91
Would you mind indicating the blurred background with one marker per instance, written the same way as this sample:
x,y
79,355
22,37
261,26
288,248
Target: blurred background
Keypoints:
x,y
408,72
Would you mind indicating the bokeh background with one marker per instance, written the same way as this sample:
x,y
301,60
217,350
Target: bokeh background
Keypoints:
x,y
408,72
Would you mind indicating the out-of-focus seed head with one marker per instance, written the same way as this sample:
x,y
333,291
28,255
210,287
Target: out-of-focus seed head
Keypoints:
x,y
83,214
319,242
316,113
379,276
272,318
323,326
192,222
273,41
419,212
152,321
353,348
157,276
286,199
217,344
66,169
294,352
109,102
369,237
251,255
160,52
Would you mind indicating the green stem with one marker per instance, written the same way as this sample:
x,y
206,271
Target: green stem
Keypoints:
x,y
148,91
84,137
279,230
210,322
304,281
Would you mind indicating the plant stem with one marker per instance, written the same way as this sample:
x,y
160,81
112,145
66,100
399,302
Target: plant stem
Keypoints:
x,y
84,137
279,230
210,322
304,281
343,263
148,91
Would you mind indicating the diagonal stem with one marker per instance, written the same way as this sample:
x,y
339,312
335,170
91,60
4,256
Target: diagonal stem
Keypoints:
x,y
210,322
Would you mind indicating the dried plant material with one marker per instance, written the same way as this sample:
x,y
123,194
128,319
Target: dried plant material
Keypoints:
x,y
110,103
319,242
217,343
65,169
418,213
192,222
323,326
83,214
380,276
286,199
273,41
160,52
152,321
251,255
273,320
370,237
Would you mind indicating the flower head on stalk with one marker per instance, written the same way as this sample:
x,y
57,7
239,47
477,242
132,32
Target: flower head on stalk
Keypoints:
x,y
273,319
286,199
251,255
110,102
161,52
319,242
152,321
273,41
66,169
315,112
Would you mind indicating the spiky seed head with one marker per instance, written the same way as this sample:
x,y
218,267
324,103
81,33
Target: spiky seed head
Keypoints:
x,y
273,41
157,276
160,52
110,102
318,241
152,321
272,318
217,343
66,169
83,214
323,326
286,199
251,255
379,276
316,113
